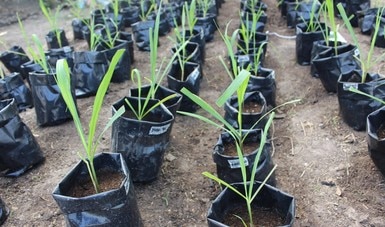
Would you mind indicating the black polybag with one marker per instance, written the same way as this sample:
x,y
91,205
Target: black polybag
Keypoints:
x,y
117,207
268,197
53,55
376,145
264,81
321,46
302,12
89,69
126,36
367,20
228,167
192,52
122,71
52,39
142,142
352,9
13,86
174,10
255,42
330,66
140,30
130,15
161,92
197,36
354,108
14,58
50,107
191,81
19,150
249,120
305,39
164,26
208,25
78,26
4,212
27,68
247,20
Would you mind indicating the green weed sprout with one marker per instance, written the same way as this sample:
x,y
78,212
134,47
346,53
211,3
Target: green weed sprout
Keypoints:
x,y
91,141
366,62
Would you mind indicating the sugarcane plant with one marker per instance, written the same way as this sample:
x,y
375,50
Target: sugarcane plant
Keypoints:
x,y
238,85
366,62
35,48
89,141
156,75
328,12
52,18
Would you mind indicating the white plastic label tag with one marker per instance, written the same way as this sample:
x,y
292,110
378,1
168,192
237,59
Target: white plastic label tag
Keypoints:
x,y
158,130
235,164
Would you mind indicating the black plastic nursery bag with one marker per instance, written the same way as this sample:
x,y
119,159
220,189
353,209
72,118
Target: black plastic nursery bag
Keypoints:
x,y
142,142
305,39
78,26
13,86
122,71
130,15
117,207
354,107
14,58
376,145
89,69
4,212
249,119
269,198
126,36
141,34
49,104
208,25
330,66
302,12
228,167
191,81
53,40
53,55
264,81
161,92
19,150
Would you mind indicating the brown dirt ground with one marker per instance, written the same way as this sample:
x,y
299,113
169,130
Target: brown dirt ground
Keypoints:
x,y
311,144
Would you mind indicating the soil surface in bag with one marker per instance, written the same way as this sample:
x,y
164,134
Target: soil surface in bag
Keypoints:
x,y
142,142
355,107
14,58
50,107
13,86
95,209
269,198
19,150
375,136
253,109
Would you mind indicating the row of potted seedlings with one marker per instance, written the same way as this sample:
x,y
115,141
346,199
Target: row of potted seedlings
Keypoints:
x,y
137,155
345,68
